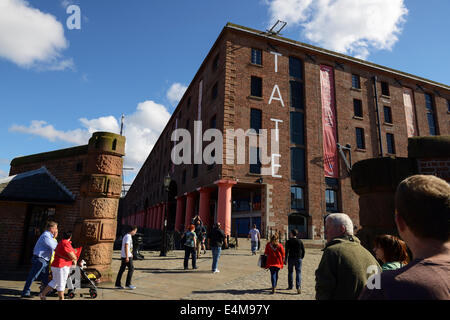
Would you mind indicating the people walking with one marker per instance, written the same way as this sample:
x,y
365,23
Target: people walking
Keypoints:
x,y
391,251
275,259
295,252
200,232
343,269
127,260
42,253
65,257
190,242
255,238
216,240
422,215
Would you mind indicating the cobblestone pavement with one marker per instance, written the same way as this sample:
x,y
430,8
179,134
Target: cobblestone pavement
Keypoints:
x,y
163,278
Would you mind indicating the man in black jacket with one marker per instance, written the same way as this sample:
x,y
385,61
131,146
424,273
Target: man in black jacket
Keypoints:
x,y
216,240
295,252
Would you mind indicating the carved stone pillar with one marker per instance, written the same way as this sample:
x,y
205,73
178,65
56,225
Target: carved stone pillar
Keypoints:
x,y
100,191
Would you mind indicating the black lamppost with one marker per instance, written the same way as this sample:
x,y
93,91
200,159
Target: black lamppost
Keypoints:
x,y
163,253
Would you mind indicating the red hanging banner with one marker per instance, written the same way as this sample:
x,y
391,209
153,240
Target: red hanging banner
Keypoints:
x,y
330,152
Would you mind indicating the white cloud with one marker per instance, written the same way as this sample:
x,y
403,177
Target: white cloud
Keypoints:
x,y
354,27
31,38
175,93
141,129
3,174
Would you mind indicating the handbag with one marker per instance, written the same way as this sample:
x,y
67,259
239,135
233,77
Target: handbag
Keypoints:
x,y
262,261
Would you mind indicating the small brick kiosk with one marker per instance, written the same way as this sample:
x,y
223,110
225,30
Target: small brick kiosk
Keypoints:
x,y
77,187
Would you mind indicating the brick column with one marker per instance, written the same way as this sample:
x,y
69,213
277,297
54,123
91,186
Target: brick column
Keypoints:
x,y
190,204
180,213
205,195
224,204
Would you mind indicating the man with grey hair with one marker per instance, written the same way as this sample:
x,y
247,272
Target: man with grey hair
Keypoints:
x,y
343,270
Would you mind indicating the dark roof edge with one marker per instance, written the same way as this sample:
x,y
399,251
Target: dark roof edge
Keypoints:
x,y
51,155
337,55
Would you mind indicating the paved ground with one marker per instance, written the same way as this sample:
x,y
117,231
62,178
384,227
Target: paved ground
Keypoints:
x,y
163,278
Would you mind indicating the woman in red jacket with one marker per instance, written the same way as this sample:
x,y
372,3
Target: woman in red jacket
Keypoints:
x,y
275,258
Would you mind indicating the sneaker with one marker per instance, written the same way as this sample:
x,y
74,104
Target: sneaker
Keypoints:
x,y
131,287
299,291
273,290
26,296
289,288
119,287
195,268
216,271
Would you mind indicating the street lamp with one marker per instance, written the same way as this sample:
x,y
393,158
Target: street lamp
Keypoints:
x,y
167,181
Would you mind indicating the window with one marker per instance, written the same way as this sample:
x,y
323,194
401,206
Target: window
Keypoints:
x,y
385,88
448,105
360,143
297,199
257,56
256,87
212,122
255,162
298,164
387,114
357,107
255,119
297,128
390,143
79,167
331,200
183,177
296,94
356,82
195,171
295,68
189,102
430,114
187,124
214,92
215,64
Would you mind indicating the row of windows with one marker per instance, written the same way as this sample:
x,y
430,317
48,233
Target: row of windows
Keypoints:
x,y
298,199
361,144
356,84
358,111
295,64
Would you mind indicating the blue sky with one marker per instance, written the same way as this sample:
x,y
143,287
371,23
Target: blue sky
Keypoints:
x,y
129,54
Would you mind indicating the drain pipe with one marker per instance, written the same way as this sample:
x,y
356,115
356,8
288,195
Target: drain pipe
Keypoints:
x,y
378,114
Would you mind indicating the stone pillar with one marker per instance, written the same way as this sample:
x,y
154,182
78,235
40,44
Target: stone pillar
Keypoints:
x,y
224,204
100,192
180,213
205,195
375,181
190,205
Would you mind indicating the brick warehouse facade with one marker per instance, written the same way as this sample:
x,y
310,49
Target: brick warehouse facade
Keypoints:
x,y
251,79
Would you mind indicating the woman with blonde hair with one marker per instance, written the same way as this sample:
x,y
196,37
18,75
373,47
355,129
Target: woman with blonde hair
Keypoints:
x,y
275,258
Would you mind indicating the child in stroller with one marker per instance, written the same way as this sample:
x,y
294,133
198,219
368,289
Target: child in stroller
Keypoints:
x,y
81,277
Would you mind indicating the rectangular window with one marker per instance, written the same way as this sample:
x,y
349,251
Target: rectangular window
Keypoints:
x,y
297,128
195,171
295,68
298,164
360,141
331,200
255,119
187,124
357,107
256,87
214,92
448,105
215,64
296,94
429,104
387,114
212,123
255,162
385,88
183,177
356,82
297,199
257,56
189,102
390,143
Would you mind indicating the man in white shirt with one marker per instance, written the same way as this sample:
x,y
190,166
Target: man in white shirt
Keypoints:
x,y
254,234
127,259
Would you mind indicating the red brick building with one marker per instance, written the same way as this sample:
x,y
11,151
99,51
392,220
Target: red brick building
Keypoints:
x,y
251,79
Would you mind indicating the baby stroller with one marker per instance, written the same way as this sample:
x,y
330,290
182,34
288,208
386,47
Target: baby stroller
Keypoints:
x,y
81,277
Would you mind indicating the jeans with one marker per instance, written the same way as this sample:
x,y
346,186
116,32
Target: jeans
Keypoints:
x,y
274,276
216,254
124,265
297,264
254,246
189,251
39,270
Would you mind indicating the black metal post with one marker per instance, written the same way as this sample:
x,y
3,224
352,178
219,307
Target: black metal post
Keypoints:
x,y
164,250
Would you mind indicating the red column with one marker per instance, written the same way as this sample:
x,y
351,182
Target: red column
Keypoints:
x,y
154,214
204,205
190,204
224,204
180,213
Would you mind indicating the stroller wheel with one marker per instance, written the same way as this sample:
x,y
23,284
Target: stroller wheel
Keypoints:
x,y
71,295
93,293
